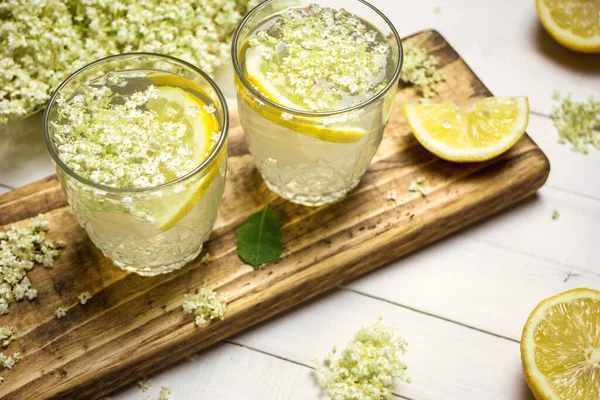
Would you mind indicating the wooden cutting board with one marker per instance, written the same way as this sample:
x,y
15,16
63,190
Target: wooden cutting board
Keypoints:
x,y
135,325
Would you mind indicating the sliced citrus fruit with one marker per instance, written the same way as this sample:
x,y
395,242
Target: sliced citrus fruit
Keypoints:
x,y
574,24
560,347
201,126
256,76
489,128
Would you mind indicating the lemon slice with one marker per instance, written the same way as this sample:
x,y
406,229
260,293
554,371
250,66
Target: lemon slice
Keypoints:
x,y
202,125
574,24
255,74
560,347
489,128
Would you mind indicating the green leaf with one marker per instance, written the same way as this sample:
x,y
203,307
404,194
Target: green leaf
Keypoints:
x,y
259,240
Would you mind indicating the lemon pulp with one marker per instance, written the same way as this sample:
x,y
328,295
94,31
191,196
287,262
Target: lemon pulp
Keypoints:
x,y
573,23
560,347
201,126
489,128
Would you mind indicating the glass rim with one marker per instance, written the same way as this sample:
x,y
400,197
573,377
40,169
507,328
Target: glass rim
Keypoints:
x,y
200,168
240,74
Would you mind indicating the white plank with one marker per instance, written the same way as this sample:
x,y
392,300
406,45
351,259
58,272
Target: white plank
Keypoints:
x,y
504,44
569,170
230,372
474,283
528,227
444,359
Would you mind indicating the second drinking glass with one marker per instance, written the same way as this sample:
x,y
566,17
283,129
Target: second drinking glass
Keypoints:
x,y
316,86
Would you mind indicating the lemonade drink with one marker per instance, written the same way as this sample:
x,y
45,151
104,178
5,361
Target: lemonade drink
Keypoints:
x,y
315,86
140,147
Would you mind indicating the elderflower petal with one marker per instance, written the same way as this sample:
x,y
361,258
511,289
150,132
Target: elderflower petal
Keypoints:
x,y
205,306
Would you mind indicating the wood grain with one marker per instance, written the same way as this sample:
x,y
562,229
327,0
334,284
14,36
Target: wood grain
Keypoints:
x,y
134,325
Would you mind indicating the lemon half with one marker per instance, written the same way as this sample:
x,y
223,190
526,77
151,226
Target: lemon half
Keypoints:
x,y
574,24
489,128
560,347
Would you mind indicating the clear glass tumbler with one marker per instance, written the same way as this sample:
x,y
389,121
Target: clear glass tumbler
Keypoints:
x,y
301,154
147,230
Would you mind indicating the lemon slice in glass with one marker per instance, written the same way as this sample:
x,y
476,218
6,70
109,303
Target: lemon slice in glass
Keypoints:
x,y
489,128
256,75
201,126
560,347
574,24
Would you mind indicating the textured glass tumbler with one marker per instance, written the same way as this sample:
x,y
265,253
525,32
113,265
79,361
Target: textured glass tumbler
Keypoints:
x,y
287,144
150,230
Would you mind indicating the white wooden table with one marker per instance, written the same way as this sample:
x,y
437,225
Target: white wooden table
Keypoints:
x,y
461,303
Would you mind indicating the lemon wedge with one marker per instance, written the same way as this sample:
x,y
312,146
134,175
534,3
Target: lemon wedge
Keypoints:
x,y
489,128
560,347
256,76
574,24
201,125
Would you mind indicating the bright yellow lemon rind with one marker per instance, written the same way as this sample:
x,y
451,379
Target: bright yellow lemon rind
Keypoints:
x,y
303,125
203,124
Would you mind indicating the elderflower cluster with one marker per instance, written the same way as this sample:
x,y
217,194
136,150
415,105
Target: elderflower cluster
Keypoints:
x,y
327,59
577,122
420,69
418,186
9,362
206,305
366,367
6,336
20,250
122,144
44,41
165,393
144,384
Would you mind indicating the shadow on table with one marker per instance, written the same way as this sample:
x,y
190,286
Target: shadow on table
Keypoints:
x,y
23,152
583,63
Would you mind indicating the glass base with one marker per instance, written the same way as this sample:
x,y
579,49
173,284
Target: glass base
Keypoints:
x,y
157,270
311,201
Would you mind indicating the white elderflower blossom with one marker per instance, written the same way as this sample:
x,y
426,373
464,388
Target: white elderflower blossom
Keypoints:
x,y
420,69
6,336
9,362
366,367
144,384
165,393
417,186
206,305
333,60
20,250
206,258
102,146
60,312
44,41
84,297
